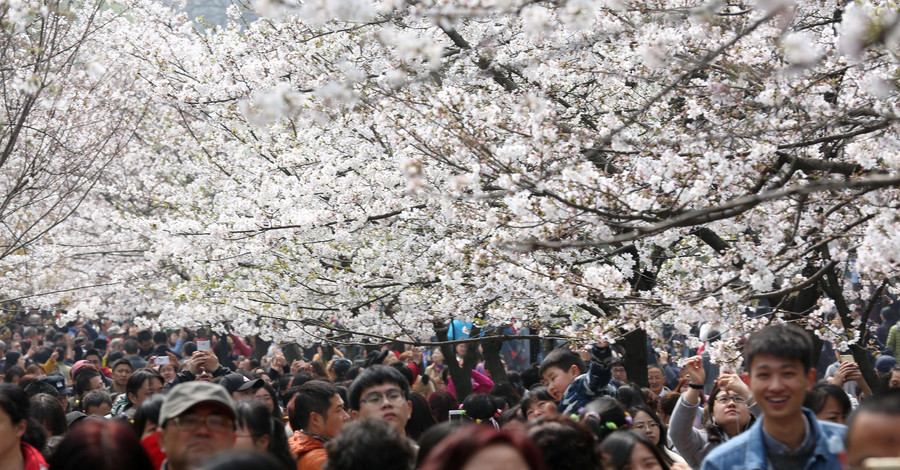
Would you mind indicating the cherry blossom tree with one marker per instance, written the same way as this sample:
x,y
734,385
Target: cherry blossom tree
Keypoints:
x,y
349,170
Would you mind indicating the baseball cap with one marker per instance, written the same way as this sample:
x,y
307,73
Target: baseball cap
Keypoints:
x,y
114,330
238,383
184,396
59,382
78,366
884,364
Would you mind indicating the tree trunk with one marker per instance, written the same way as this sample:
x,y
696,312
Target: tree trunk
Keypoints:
x,y
636,357
492,360
461,376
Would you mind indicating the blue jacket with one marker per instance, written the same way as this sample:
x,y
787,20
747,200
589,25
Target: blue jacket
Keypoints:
x,y
747,450
588,386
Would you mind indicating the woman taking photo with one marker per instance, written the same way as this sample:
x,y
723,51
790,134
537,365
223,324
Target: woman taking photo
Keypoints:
x,y
727,414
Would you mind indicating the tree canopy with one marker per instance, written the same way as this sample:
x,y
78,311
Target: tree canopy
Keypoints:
x,y
339,170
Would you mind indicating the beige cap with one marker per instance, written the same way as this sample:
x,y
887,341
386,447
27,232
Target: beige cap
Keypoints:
x,y
184,396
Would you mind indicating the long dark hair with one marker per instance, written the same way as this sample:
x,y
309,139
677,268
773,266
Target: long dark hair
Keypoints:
x,y
663,430
421,419
714,432
14,402
253,415
618,446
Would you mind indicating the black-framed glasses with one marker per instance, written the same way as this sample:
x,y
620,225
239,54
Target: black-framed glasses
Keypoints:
x,y
724,399
376,399
214,423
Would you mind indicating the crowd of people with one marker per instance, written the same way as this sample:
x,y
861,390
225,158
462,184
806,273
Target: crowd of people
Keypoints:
x,y
104,396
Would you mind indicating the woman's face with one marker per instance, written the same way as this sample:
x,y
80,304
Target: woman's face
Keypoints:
x,y
10,435
832,411
644,423
244,440
263,395
642,458
729,414
167,371
437,356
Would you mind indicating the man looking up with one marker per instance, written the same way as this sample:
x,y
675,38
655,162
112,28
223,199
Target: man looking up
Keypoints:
x,y
318,414
196,422
779,361
381,392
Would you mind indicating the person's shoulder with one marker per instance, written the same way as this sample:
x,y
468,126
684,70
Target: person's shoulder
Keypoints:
x,y
729,454
833,429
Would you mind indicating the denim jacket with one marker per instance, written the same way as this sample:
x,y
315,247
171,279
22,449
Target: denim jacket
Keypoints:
x,y
590,385
747,450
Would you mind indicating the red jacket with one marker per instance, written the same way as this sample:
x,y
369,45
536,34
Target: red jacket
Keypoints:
x,y
34,460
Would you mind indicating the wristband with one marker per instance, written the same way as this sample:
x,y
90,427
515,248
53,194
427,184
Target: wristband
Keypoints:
x,y
695,386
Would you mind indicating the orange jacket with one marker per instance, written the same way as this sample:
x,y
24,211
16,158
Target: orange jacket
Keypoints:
x,y
309,451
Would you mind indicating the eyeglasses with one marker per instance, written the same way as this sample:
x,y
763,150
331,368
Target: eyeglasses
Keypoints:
x,y
646,426
214,423
375,398
724,399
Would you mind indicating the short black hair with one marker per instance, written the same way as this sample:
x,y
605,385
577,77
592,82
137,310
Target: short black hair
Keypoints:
x,y
784,340
562,358
375,375
818,396
131,346
370,443
96,398
83,379
138,378
144,335
160,337
121,361
887,402
313,396
536,394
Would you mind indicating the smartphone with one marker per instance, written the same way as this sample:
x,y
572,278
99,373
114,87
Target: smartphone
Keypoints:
x,y
456,416
881,463
847,358
202,345
161,360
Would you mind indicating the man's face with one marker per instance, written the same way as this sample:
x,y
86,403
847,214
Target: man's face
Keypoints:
x,y
147,344
618,373
558,380
656,379
374,403
780,385
872,435
93,359
197,434
335,417
895,379
241,394
147,389
96,384
204,375
121,374
102,410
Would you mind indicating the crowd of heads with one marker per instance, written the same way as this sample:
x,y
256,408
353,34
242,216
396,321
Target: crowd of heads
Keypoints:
x,y
122,397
